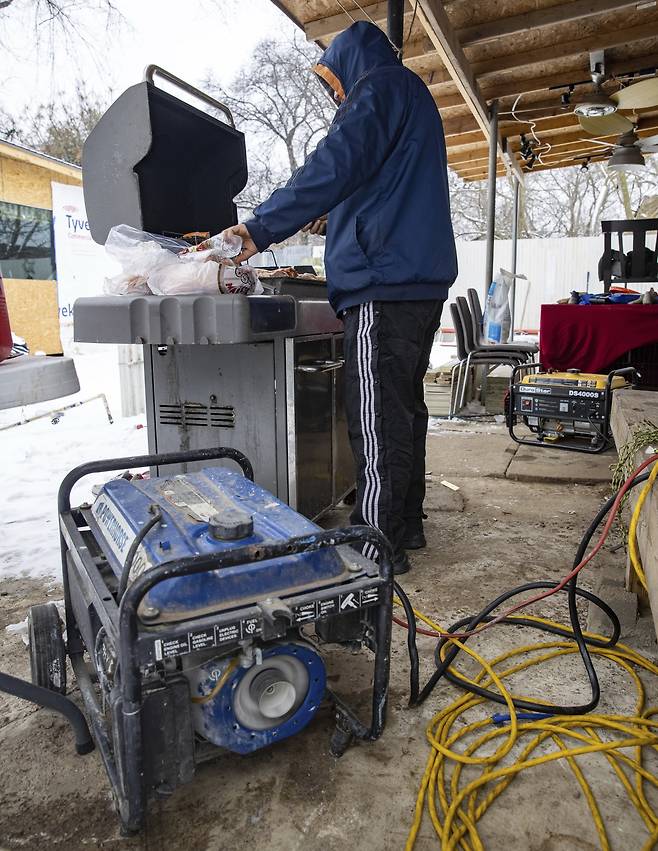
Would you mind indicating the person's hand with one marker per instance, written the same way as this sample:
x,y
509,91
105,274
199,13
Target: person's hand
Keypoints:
x,y
317,226
248,245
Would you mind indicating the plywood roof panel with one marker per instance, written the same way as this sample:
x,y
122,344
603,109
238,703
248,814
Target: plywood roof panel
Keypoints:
x,y
533,49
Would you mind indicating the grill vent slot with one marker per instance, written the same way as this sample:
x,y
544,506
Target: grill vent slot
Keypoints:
x,y
191,414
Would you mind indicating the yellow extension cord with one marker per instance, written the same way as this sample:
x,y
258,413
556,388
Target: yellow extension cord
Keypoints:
x,y
455,809
632,529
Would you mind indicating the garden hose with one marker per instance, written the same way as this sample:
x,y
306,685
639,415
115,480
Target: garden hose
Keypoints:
x,y
528,724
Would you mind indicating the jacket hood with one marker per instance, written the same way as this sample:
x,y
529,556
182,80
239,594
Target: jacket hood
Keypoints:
x,y
357,50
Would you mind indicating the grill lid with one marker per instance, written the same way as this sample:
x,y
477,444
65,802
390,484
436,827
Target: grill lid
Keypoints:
x,y
161,165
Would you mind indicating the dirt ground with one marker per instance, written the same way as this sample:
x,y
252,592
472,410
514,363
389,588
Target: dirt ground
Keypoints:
x,y
493,533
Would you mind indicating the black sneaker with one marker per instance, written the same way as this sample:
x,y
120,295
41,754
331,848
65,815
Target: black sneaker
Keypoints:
x,y
401,564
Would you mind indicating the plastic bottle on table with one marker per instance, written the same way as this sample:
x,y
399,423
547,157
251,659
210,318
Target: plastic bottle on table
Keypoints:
x,y
222,245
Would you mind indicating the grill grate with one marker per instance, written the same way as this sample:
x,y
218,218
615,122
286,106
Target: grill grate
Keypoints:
x,y
190,414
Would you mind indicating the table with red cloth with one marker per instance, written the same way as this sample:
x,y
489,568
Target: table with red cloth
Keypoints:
x,y
591,337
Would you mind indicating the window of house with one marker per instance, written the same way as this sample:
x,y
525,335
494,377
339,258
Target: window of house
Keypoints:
x,y
27,248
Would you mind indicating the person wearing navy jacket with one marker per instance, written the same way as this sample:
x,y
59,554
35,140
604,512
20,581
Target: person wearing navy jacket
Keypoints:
x,y
380,179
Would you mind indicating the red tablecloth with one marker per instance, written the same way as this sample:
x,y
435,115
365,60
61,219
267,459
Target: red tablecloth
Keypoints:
x,y
590,337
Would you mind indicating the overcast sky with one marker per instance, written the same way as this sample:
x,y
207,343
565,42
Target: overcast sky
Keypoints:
x,y
187,38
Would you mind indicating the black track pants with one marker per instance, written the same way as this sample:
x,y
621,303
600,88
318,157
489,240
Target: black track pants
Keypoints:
x,y
387,350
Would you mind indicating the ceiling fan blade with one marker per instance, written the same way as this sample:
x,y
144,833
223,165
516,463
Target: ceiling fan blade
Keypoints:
x,y
605,125
649,143
640,95
597,142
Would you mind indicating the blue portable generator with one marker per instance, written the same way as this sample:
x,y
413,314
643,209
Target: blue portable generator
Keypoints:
x,y
190,602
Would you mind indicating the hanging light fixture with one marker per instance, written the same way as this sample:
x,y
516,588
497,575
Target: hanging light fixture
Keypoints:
x,y
627,158
594,104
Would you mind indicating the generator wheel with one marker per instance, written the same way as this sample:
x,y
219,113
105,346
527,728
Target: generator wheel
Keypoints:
x,y
47,649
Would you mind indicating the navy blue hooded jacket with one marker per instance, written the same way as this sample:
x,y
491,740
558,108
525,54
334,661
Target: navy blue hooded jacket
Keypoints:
x,y
381,175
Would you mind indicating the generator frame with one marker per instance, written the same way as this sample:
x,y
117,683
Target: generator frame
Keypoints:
x,y
570,444
87,596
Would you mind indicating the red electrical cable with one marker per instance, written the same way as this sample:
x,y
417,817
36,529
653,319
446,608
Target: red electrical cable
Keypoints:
x,y
432,633
561,584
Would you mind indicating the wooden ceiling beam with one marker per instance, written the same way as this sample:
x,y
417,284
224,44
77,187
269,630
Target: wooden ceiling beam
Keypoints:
x,y
539,18
471,138
331,26
447,101
568,141
461,157
544,126
569,76
471,178
558,118
474,169
597,41
565,163
436,24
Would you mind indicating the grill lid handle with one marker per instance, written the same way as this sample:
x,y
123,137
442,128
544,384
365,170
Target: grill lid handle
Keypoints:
x,y
151,71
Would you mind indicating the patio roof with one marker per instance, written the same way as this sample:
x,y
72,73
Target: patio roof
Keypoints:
x,y
522,54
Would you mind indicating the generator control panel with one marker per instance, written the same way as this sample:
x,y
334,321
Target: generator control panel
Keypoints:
x,y
569,410
560,402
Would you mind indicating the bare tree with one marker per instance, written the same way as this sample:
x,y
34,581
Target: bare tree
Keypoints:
x,y
562,202
55,21
281,107
59,128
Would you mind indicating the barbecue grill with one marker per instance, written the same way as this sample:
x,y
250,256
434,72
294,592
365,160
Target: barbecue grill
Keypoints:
x,y
262,374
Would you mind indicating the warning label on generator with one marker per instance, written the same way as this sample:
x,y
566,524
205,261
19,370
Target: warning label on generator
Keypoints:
x,y
165,648
245,628
349,602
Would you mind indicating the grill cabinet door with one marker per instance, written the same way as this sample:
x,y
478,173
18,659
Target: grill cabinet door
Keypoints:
x,y
343,460
310,372
209,396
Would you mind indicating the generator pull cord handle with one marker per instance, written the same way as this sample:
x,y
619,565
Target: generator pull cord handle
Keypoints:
x,y
151,70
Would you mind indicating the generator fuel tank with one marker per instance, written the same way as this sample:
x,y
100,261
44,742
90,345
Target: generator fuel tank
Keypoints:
x,y
211,511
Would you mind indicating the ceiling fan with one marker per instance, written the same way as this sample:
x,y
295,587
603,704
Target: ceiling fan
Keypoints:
x,y
600,114
627,153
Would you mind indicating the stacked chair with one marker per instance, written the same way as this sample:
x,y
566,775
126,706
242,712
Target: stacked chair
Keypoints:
x,y
473,350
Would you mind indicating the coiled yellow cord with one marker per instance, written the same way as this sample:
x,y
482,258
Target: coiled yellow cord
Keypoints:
x,y
455,809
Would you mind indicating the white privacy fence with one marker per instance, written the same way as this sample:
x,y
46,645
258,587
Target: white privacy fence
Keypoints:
x,y
554,267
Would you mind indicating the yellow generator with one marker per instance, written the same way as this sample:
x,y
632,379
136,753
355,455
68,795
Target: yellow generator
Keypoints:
x,y
566,410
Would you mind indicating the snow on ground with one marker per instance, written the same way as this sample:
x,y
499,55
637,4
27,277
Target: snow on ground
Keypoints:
x,y
36,457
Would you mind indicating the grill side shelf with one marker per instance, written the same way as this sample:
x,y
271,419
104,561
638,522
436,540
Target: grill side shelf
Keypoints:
x,y
183,320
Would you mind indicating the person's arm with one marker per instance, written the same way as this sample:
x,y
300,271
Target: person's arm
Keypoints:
x,y
354,149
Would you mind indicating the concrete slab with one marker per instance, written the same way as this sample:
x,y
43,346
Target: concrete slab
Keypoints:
x,y
546,464
440,498
452,455
622,602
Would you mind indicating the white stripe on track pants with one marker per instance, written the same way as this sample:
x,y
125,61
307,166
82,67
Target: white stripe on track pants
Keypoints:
x,y
387,349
